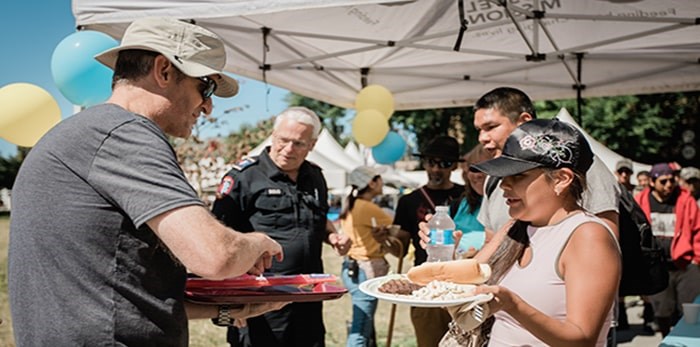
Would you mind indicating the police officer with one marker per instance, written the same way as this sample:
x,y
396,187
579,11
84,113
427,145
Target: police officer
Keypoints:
x,y
284,195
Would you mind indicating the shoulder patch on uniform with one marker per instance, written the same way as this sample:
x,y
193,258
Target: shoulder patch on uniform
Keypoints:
x,y
225,187
244,163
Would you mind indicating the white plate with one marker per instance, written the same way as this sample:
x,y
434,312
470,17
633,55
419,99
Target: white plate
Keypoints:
x,y
371,287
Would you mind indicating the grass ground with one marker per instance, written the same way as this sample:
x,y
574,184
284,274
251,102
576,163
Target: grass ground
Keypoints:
x,y
204,334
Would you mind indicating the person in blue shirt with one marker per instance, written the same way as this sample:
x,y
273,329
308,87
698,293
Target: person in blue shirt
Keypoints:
x,y
465,210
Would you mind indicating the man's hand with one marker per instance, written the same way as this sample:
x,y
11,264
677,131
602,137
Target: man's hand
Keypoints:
x,y
503,298
424,231
424,234
340,242
270,248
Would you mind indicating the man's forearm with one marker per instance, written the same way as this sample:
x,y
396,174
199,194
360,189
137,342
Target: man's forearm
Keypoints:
x,y
198,311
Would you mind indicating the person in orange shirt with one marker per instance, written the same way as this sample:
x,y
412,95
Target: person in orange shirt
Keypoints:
x,y
365,259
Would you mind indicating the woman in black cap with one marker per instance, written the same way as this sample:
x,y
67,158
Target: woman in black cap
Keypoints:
x,y
556,269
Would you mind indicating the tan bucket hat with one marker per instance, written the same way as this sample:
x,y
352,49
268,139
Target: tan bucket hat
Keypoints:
x,y
196,51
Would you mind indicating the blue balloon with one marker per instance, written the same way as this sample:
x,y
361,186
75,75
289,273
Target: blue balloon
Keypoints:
x,y
81,79
390,149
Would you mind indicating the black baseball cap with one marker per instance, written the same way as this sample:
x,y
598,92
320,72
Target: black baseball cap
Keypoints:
x,y
443,147
545,143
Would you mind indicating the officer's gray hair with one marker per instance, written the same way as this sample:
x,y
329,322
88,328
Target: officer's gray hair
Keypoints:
x,y
302,115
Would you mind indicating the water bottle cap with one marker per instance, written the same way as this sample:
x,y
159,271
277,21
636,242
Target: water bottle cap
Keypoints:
x,y
441,208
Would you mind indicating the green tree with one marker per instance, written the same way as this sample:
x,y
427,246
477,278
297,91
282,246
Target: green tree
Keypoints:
x,y
427,124
10,166
332,116
645,128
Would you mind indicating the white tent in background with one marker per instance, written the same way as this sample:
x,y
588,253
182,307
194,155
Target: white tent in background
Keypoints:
x,y
609,157
353,151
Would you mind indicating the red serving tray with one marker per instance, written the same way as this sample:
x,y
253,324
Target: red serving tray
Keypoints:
x,y
247,281
250,289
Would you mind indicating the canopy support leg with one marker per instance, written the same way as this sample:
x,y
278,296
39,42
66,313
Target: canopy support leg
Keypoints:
x,y
579,87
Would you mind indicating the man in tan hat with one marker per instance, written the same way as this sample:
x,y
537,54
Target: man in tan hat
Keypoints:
x,y
623,172
105,225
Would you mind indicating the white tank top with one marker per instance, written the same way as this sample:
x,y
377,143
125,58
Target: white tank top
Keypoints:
x,y
539,283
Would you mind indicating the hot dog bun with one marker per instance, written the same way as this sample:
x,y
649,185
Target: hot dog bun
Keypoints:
x,y
463,271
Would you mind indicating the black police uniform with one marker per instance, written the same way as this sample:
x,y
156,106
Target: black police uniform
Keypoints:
x,y
257,196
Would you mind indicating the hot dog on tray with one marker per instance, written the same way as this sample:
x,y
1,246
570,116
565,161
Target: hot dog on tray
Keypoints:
x,y
463,271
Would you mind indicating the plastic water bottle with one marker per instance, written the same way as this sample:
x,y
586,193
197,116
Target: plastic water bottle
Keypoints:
x,y
442,242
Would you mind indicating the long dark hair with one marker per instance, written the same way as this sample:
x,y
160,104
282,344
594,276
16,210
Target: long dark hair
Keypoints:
x,y
475,155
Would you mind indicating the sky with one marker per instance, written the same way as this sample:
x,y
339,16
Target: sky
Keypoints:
x,y
31,29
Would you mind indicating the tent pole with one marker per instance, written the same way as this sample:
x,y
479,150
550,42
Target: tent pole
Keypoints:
x,y
363,79
399,267
579,88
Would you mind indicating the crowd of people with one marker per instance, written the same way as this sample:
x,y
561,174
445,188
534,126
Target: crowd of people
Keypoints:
x,y
669,197
109,246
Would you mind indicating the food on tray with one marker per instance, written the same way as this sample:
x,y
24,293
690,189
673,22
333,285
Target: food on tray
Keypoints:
x,y
439,290
463,271
435,290
399,286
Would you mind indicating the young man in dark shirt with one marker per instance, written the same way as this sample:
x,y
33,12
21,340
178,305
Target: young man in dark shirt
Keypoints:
x,y
439,159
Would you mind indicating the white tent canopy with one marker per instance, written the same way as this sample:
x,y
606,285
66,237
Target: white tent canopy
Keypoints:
x,y
353,151
329,49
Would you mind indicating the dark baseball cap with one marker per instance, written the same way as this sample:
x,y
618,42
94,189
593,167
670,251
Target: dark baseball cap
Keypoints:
x,y
443,147
660,169
541,143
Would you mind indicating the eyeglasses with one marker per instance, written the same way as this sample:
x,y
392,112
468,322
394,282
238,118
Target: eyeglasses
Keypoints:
x,y
208,88
664,181
295,143
624,171
443,164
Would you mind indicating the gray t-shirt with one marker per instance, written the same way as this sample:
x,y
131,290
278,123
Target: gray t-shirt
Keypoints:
x,y
602,194
84,268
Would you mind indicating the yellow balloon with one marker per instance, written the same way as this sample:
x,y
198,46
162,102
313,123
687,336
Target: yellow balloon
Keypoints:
x,y
27,113
369,127
377,98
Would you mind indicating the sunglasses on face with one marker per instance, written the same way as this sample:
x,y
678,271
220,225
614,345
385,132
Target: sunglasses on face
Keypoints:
x,y
207,87
443,164
664,181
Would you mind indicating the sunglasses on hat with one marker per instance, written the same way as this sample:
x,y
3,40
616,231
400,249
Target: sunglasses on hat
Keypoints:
x,y
207,88
441,163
